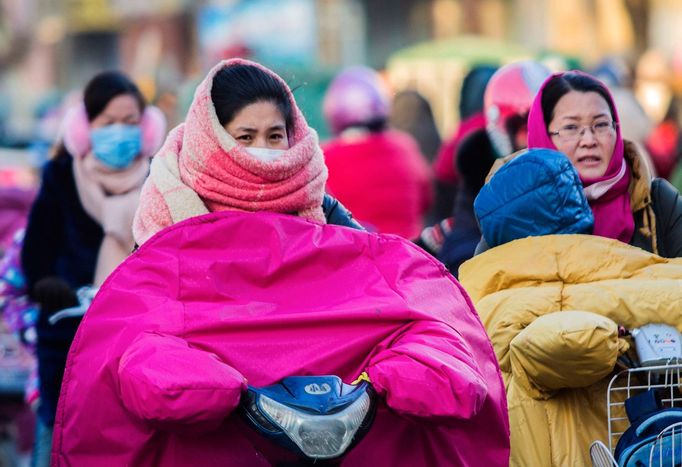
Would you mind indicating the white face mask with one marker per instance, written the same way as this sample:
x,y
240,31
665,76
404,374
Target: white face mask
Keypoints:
x,y
266,154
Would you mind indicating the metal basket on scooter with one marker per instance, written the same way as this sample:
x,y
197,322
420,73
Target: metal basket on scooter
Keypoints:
x,y
656,438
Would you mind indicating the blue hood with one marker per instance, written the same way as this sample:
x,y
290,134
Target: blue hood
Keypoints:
x,y
536,193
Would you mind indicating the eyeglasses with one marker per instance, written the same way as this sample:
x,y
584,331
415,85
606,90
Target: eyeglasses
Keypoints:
x,y
573,132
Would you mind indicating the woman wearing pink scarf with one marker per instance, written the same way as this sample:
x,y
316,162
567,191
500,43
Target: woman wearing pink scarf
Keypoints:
x,y
575,114
244,146
240,279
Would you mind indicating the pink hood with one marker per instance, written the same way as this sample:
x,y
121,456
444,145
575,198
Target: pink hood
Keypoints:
x,y
611,208
160,360
201,168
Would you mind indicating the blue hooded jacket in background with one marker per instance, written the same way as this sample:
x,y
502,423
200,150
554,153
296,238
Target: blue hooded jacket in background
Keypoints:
x,y
536,193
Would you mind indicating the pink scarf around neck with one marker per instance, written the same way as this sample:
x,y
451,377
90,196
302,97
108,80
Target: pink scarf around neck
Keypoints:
x,y
202,169
608,195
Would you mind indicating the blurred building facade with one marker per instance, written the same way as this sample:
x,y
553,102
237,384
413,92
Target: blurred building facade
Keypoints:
x,y
92,34
59,44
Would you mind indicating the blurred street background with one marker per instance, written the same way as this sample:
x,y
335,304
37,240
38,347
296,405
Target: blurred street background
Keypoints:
x,y
49,48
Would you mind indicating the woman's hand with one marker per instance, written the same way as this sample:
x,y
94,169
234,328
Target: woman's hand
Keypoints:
x,y
175,387
429,372
53,294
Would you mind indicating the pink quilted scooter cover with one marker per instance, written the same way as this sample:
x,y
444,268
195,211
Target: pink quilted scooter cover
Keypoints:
x,y
160,360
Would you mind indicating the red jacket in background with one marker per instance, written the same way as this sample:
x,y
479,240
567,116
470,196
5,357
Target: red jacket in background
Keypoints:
x,y
383,179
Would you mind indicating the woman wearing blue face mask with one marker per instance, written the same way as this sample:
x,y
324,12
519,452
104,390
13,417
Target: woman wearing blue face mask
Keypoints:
x,y
80,226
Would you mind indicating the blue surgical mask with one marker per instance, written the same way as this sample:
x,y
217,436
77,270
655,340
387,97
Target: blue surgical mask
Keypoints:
x,y
117,145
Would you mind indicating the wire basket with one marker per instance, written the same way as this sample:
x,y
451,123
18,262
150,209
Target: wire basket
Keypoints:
x,y
666,451
601,455
665,379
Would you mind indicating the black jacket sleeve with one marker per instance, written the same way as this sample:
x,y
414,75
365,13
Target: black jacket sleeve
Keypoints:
x,y
43,231
336,213
667,203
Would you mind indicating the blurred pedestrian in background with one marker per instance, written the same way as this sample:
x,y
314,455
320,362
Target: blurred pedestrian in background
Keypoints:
x,y
17,331
471,118
80,226
379,173
507,99
15,203
461,233
664,143
615,73
412,114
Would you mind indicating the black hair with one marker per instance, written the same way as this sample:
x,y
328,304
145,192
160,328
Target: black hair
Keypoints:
x,y
513,126
561,85
474,158
375,125
412,114
473,90
234,87
103,87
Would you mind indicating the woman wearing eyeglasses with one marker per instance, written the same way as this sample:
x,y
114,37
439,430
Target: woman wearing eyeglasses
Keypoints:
x,y
553,305
575,114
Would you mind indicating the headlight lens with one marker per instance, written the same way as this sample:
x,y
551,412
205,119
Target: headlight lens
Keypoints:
x,y
319,436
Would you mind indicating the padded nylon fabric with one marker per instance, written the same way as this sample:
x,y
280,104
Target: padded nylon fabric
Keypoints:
x,y
551,306
158,362
537,193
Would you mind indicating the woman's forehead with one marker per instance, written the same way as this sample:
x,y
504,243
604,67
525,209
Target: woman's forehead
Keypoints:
x,y
260,113
579,105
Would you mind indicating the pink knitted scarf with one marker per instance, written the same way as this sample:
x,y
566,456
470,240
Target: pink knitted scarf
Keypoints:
x,y
202,169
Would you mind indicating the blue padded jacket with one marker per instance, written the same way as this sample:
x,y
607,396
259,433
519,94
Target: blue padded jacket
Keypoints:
x,y
536,193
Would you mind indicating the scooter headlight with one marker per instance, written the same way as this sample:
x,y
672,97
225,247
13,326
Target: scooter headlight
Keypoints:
x,y
318,436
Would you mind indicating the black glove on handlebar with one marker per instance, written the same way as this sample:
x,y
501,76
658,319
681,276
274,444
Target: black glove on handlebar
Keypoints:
x,y
53,293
